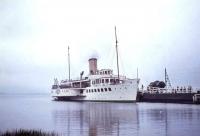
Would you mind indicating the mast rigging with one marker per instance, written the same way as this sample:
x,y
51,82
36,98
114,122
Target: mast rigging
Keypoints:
x,y
167,81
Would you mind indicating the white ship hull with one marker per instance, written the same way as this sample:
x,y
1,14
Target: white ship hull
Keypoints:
x,y
125,92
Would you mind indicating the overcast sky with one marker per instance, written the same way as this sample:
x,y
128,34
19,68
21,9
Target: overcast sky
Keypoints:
x,y
152,35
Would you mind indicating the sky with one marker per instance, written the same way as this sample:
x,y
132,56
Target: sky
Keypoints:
x,y
152,35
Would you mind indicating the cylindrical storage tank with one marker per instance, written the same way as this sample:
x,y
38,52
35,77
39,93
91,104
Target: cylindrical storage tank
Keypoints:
x,y
92,66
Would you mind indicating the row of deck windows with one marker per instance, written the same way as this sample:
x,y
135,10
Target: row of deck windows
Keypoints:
x,y
98,90
111,81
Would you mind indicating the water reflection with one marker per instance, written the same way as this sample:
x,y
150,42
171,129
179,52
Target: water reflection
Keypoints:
x,y
94,118
144,119
98,118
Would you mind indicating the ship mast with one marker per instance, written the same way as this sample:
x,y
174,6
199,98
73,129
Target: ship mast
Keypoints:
x,y
117,53
69,63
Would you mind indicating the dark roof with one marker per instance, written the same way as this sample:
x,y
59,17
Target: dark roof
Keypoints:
x,y
92,59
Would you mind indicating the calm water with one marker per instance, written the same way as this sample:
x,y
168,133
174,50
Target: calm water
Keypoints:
x,y
98,118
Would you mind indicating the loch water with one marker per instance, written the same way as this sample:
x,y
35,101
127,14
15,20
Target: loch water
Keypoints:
x,y
98,118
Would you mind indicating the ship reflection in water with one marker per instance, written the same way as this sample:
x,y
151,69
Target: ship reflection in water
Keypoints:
x,y
142,119
96,118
